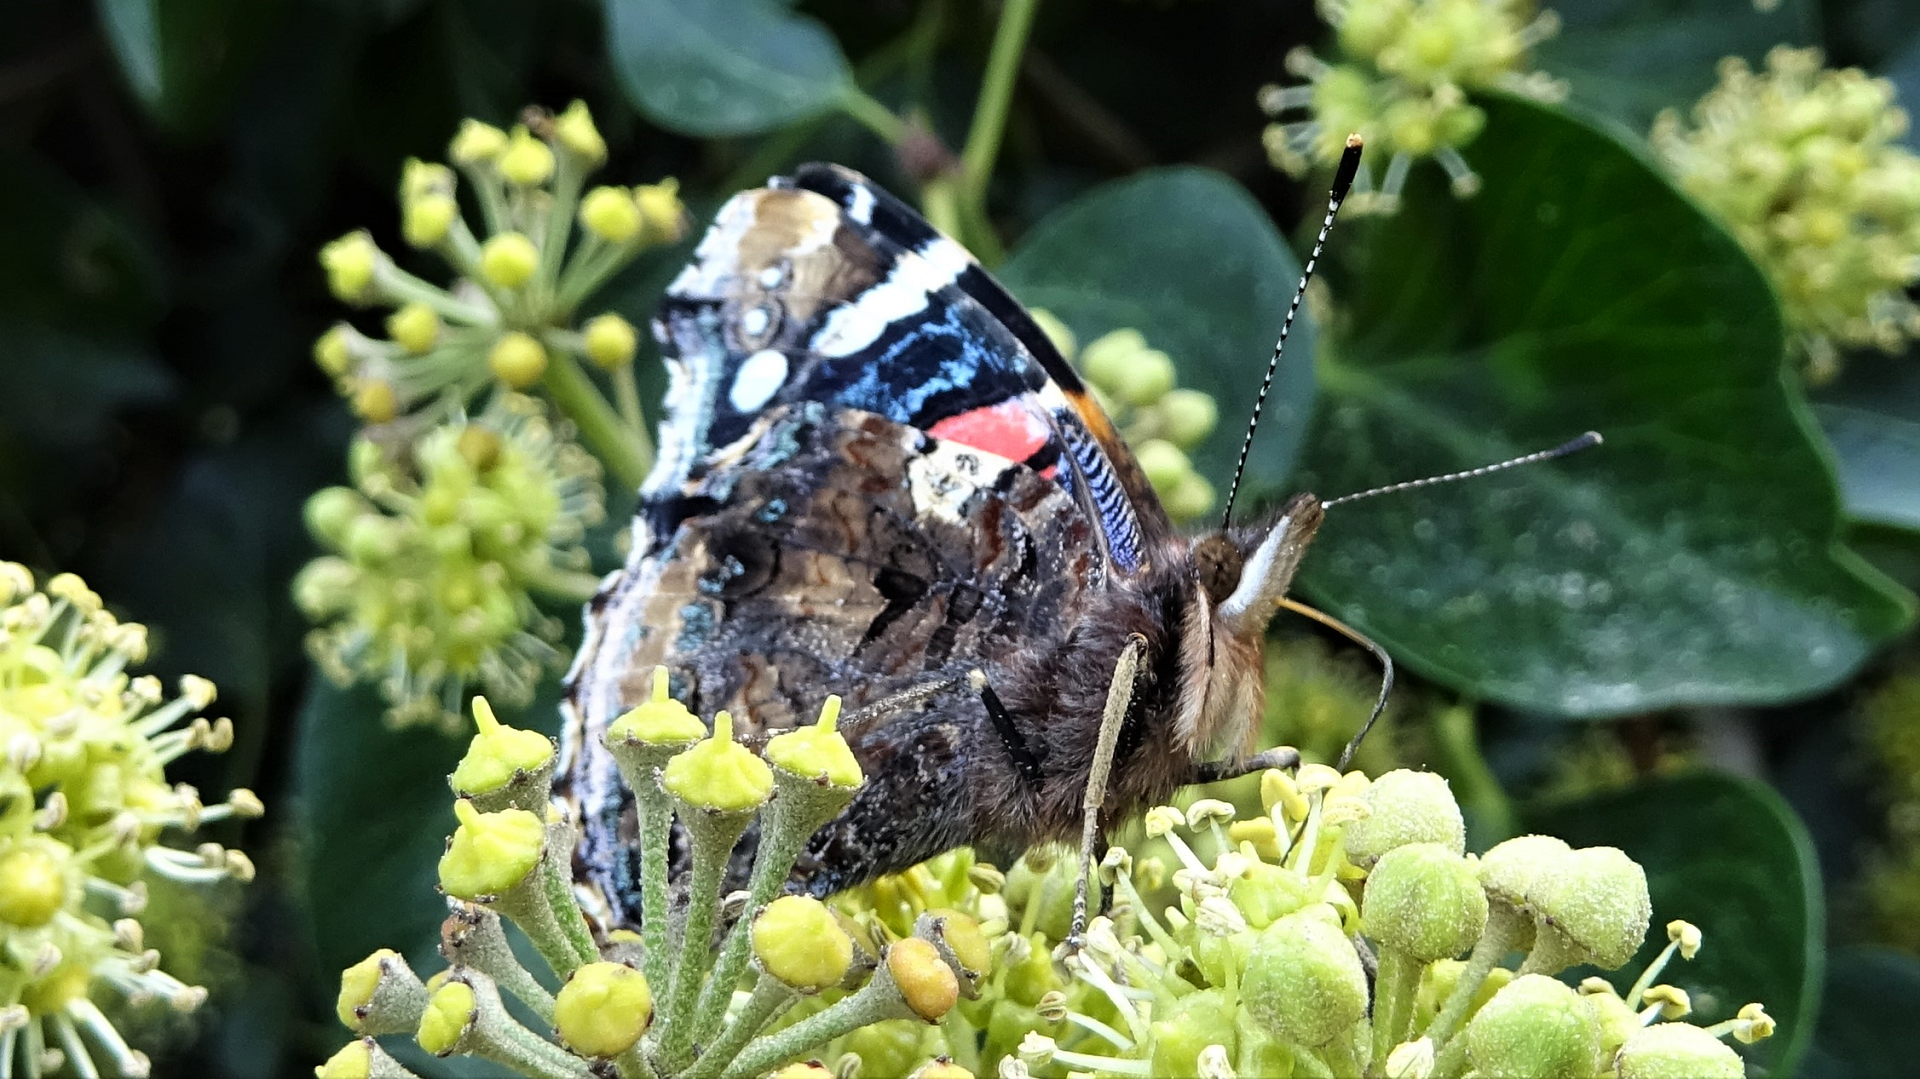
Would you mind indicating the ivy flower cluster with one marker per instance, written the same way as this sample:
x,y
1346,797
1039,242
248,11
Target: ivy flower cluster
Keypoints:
x,y
663,1001
438,552
1803,165
85,812
1162,423
1401,77
1260,965
1891,729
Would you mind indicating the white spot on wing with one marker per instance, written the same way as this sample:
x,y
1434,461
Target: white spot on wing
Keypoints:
x,y
760,377
942,479
717,260
862,208
754,321
903,294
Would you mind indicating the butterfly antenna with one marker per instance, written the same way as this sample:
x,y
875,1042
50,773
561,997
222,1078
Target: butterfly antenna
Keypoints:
x,y
1584,442
1342,182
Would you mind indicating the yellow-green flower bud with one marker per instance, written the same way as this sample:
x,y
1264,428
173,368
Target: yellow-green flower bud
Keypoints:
x,y
798,940
414,327
1163,462
1188,417
611,214
941,1068
610,341
350,262
1406,807
330,511
1535,1028
963,937
805,1070
477,142
517,359
818,751
1184,1031
1593,907
1304,982
380,995
1366,29
925,980
1191,497
1106,358
374,401
490,852
1411,1060
333,350
526,161
425,221
498,753
661,209
1267,892
1425,901
353,1061
508,259
1678,1051
450,1011
603,1009
33,883
719,773
660,720
1617,1019
574,130
357,985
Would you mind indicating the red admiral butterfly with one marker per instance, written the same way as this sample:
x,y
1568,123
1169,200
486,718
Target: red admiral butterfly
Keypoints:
x,y
878,478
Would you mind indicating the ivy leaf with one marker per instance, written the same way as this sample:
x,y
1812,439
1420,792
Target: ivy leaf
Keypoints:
x,y
1870,994
184,58
1185,256
1628,59
1729,856
1871,415
1694,558
724,67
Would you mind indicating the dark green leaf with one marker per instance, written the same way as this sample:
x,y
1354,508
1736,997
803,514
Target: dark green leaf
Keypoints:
x,y
1872,417
723,67
1693,558
183,58
1871,998
1727,855
1628,59
1185,256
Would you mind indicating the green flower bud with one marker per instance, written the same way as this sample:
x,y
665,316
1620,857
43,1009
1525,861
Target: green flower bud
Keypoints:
x,y
1266,892
718,773
1678,1051
1187,1028
1304,982
1411,1060
1592,907
517,359
603,1009
1535,1028
498,753
818,751
804,1070
924,979
526,161
476,143
1107,358
959,934
1406,807
1366,29
1617,1019
333,350
353,1061
508,259
350,262
611,214
450,1011
331,511
33,882
1163,462
1188,417
798,940
1425,901
661,209
380,995
1510,871
610,341
414,327
661,720
490,852
574,130
941,1068
1190,498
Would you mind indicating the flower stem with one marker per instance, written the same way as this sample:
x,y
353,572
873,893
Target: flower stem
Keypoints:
x,y
713,834
1393,989
996,94
871,114
770,996
626,397
1505,928
1461,761
624,454
879,999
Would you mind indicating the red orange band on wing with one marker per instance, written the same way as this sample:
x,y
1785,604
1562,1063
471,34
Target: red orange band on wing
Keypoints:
x,y
1012,429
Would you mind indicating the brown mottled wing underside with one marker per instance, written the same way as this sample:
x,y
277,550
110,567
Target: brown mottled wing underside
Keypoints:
x,y
832,551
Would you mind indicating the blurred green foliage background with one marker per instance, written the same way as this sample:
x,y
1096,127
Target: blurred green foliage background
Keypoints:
x,y
1724,590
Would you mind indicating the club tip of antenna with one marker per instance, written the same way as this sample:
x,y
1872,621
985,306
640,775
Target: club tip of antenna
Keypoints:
x,y
1348,168
1584,442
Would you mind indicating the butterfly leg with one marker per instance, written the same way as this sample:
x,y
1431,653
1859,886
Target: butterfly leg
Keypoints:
x,y
1112,718
1024,761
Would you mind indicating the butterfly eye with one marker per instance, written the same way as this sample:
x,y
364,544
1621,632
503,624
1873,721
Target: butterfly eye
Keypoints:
x,y
1219,563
